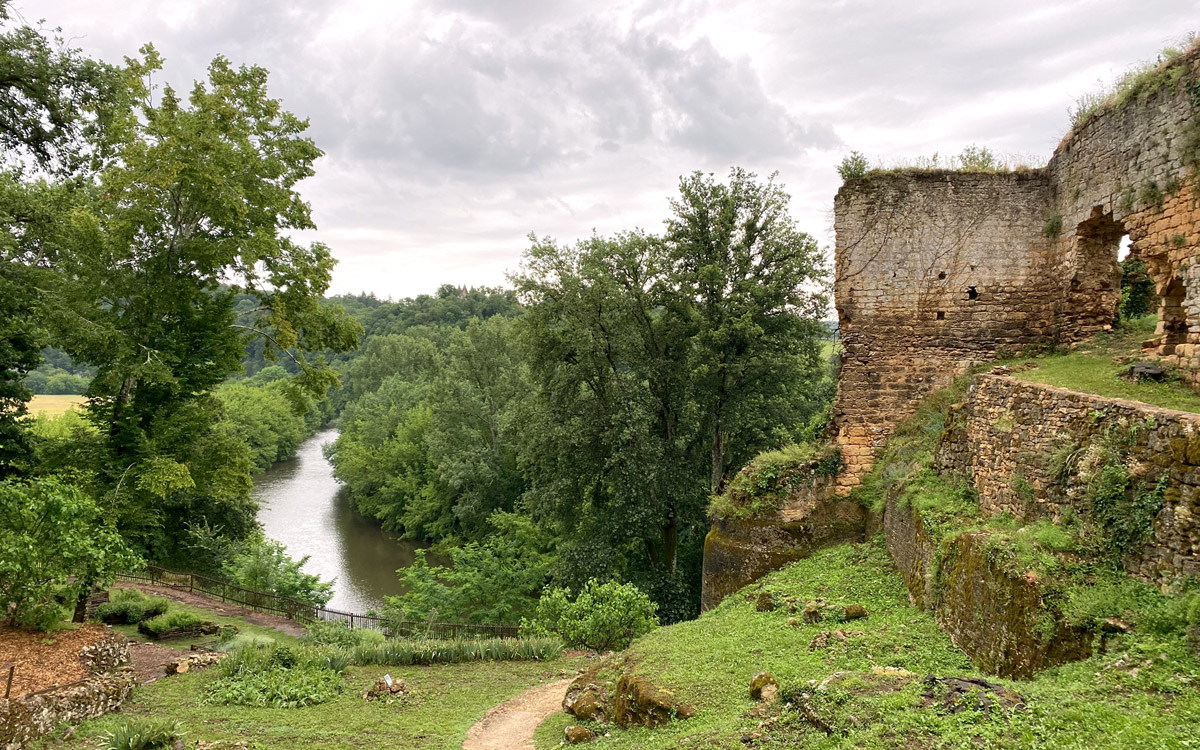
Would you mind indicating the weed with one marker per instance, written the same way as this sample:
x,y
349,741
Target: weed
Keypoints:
x,y
142,734
1053,226
1152,195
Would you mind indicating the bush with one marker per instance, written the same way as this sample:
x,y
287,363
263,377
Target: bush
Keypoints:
x,y
142,734
49,532
278,677
129,607
156,626
323,633
604,617
852,166
403,653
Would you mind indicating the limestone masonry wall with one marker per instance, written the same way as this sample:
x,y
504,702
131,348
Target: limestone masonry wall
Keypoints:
x,y
1008,428
938,270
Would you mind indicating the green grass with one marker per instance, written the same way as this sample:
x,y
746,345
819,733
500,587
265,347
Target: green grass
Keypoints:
x,y
1091,368
445,701
709,662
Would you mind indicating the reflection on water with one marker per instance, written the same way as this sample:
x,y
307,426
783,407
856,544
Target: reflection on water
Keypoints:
x,y
304,507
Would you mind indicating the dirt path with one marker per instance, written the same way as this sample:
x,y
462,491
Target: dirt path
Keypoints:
x,y
216,605
510,725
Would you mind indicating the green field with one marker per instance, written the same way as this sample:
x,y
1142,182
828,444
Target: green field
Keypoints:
x,y
53,406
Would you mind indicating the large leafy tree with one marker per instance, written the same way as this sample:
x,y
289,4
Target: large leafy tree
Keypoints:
x,y
660,366
52,99
196,206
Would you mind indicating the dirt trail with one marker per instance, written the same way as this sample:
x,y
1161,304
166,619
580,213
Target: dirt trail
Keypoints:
x,y
510,725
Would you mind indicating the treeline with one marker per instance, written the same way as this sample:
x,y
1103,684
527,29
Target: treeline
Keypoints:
x,y
145,235
575,428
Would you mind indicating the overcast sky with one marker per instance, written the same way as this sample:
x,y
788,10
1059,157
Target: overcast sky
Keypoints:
x,y
453,129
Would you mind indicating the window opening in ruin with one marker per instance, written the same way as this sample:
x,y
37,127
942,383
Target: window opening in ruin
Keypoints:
x,y
1096,284
972,293
1123,248
1174,315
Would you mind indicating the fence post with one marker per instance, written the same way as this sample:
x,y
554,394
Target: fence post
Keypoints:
x,y
8,687
352,621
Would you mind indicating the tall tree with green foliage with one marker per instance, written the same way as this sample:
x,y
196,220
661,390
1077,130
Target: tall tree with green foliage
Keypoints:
x,y
196,207
51,99
660,365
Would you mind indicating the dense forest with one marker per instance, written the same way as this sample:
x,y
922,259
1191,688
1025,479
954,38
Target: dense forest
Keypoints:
x,y
570,427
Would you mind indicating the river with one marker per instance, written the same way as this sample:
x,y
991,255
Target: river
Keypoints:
x,y
304,507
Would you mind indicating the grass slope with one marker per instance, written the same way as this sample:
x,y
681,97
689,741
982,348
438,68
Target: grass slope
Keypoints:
x,y
1140,693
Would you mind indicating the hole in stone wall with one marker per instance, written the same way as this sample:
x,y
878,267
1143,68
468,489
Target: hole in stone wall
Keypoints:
x,y
942,275
972,293
1123,249
1174,315
941,314
1096,284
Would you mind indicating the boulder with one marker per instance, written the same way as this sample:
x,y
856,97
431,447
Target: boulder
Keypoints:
x,y
854,612
1140,371
813,612
575,734
638,702
764,687
586,699
765,602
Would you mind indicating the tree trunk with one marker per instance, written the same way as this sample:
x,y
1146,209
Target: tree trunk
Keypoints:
x,y
717,478
670,537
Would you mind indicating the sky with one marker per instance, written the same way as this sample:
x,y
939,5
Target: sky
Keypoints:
x,y
452,129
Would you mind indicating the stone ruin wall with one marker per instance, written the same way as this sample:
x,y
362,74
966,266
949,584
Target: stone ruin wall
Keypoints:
x,y
1007,428
937,271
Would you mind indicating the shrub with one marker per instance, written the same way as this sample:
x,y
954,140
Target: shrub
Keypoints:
x,y
142,734
403,653
853,165
323,633
129,607
277,677
49,532
1138,295
156,626
604,617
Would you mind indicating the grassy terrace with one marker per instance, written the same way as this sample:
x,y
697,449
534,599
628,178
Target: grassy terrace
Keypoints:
x,y
444,702
1092,367
1141,692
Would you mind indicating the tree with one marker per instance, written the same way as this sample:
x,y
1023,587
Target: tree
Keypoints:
x,y
661,365
196,207
49,533
756,286
50,98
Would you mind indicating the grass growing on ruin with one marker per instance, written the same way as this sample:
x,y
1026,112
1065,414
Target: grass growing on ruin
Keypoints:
x,y
1092,367
1140,692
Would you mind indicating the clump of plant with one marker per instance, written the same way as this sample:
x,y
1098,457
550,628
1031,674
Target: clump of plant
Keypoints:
x,y
278,677
853,166
142,734
1138,295
403,653
129,607
909,450
1163,71
157,627
604,617
326,633
765,484
1152,195
1053,226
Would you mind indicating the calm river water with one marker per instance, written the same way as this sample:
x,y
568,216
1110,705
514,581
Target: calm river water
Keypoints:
x,y
303,507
